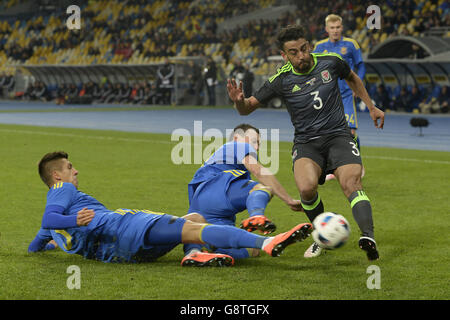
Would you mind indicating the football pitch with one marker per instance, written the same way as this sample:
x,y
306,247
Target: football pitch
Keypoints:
x,y
409,192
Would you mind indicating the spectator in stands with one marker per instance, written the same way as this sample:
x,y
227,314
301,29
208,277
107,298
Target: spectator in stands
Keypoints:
x,y
124,94
89,90
416,98
41,92
2,84
431,106
72,94
107,90
211,81
96,92
248,80
444,99
61,93
403,101
195,79
140,93
237,72
29,92
152,95
10,83
417,52
165,75
381,98
114,94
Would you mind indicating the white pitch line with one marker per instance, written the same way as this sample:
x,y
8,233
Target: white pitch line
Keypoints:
x,y
174,142
84,136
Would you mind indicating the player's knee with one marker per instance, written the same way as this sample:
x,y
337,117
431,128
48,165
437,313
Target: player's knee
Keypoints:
x,y
308,194
195,217
351,184
264,188
191,232
308,190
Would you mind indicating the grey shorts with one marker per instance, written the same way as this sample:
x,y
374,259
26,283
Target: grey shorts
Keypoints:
x,y
329,152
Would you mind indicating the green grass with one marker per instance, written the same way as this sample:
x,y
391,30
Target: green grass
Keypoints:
x,y
408,188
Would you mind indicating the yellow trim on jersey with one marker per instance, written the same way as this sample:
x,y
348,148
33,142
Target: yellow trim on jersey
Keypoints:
x,y
58,185
355,43
320,42
285,68
328,54
236,173
134,211
68,238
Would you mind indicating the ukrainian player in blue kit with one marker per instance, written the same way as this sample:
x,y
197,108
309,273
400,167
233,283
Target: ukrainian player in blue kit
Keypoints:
x,y
80,224
222,188
350,51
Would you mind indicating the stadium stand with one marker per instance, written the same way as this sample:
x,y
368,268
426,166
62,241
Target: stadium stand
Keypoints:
x,y
137,32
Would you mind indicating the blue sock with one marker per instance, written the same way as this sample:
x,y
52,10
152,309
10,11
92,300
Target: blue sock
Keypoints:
x,y
235,253
230,237
257,202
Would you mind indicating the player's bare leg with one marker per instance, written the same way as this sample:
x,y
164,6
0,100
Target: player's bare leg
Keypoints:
x,y
356,138
307,173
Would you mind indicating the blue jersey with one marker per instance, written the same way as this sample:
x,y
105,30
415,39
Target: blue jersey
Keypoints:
x,y
350,51
227,160
110,236
209,190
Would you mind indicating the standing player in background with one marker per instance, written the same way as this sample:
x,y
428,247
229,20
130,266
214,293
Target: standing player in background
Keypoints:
x,y
351,53
222,188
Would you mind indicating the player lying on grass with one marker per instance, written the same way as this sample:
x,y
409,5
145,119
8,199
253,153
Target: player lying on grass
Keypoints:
x,y
82,225
222,188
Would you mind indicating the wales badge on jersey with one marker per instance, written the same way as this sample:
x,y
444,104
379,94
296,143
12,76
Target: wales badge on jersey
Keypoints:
x,y
326,76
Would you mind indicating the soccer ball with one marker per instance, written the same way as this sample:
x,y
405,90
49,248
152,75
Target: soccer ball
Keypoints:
x,y
331,230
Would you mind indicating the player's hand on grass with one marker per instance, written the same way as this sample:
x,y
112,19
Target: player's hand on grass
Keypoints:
x,y
295,205
235,93
258,222
376,114
85,216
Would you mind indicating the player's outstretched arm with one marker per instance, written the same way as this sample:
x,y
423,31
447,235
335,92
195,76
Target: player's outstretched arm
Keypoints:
x,y
241,104
264,176
357,86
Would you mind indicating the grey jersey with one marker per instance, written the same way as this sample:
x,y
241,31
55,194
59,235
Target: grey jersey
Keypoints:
x,y
313,99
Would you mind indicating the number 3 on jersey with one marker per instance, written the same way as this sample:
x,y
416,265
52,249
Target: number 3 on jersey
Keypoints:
x,y
317,100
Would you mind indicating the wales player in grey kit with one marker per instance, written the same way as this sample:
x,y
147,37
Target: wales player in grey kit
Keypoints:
x,y
308,84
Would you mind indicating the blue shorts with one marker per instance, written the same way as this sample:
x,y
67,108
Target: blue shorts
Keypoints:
x,y
350,111
140,235
221,198
161,238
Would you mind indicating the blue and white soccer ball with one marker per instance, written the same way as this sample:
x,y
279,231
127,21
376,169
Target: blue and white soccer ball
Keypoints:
x,y
331,230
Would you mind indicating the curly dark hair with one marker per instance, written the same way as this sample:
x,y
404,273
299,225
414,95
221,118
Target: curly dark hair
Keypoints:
x,y
289,33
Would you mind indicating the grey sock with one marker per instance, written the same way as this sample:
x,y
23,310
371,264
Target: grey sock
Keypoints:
x,y
362,212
